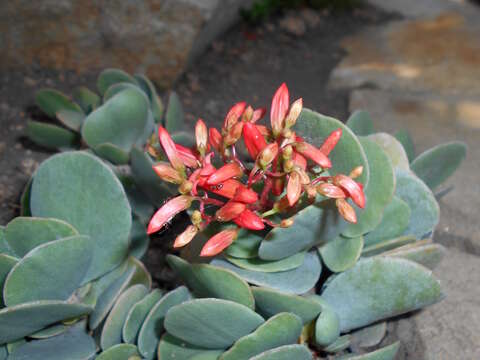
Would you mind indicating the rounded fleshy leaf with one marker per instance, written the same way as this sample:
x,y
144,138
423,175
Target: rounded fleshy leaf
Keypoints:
x,y
385,353
257,264
137,315
246,245
3,353
393,148
71,119
403,136
361,123
212,281
378,288
139,239
327,325
171,348
117,88
347,154
51,136
155,102
25,200
141,274
119,352
174,117
342,343
23,234
4,247
296,281
192,322
370,336
153,326
50,101
108,77
7,262
112,328
387,245
420,199
80,189
379,190
395,219
50,331
341,253
328,224
437,164
74,344
286,352
25,319
120,121
112,153
281,329
86,98
271,302
51,271
423,252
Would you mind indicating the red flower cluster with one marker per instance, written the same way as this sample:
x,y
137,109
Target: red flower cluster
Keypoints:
x,y
285,164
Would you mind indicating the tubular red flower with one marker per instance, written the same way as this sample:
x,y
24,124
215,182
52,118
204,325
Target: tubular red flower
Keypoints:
x,y
331,191
279,109
167,173
254,141
294,188
249,220
346,210
185,237
353,189
169,147
230,211
168,211
219,242
201,136
294,113
215,139
313,154
226,189
226,172
245,195
331,141
187,156
234,114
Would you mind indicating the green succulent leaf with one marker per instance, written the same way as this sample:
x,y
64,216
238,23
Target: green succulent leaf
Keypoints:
x,y
296,281
315,224
22,320
3,353
23,234
257,264
342,253
50,331
51,271
155,102
25,200
51,136
437,164
420,199
212,281
71,119
7,262
109,77
86,98
378,288
74,344
80,189
153,326
120,121
51,101
338,345
141,274
370,336
118,88
387,245
286,352
211,323
137,315
395,219
423,252
4,247
112,153
184,138
393,148
112,328
246,245
379,191
361,123
385,353
281,329
403,136
139,239
174,118
172,348
271,302
327,325
119,352
347,154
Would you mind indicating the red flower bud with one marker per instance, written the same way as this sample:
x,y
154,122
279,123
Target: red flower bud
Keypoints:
x,y
220,241
226,189
267,155
353,189
294,113
234,134
234,114
258,114
331,141
294,188
185,237
254,141
346,210
201,136
313,154
226,172
167,173
249,220
187,156
169,147
278,185
279,109
331,191
230,211
299,160
168,211
245,195
215,139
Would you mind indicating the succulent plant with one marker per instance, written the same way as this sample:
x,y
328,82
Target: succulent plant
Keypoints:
x,y
277,263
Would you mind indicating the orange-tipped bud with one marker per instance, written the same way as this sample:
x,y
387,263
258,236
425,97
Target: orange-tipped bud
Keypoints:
x,y
234,134
168,211
187,156
254,141
331,191
294,188
258,114
170,150
313,154
219,242
331,141
233,115
353,189
355,173
279,109
185,237
226,172
249,220
167,173
201,136
294,113
346,210
267,155
285,223
230,211
215,139
245,195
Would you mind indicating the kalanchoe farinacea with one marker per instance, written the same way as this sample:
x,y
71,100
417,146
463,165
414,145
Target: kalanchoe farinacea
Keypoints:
x,y
291,170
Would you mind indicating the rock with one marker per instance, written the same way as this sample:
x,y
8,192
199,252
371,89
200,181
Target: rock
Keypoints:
x,y
156,37
451,328
293,24
311,17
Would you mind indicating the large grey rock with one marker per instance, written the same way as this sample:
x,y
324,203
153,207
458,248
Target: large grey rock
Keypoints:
x,y
157,37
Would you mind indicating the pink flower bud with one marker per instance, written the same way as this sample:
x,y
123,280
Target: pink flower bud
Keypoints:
x,y
245,195
254,141
313,154
294,188
230,211
279,109
346,210
234,114
219,242
168,173
201,136
168,211
226,172
169,147
215,139
331,141
353,189
294,113
249,220
185,237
